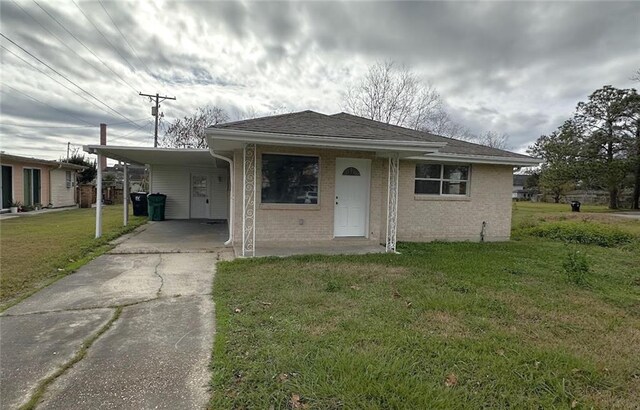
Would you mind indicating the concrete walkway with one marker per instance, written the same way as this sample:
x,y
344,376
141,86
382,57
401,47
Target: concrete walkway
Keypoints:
x,y
128,331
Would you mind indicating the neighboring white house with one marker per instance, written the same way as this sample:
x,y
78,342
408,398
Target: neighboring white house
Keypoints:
x,y
307,176
519,192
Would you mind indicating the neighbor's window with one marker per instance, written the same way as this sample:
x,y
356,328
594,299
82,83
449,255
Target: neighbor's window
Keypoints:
x,y
289,179
437,179
68,179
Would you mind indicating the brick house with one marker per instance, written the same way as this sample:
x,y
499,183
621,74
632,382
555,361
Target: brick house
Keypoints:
x,y
312,177
33,181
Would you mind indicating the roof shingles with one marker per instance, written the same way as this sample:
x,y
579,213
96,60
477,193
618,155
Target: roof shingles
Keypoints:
x,y
345,125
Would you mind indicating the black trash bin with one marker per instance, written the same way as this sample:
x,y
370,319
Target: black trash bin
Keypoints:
x,y
156,206
139,201
575,206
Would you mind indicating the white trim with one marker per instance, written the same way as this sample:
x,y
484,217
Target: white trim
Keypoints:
x,y
99,198
125,196
299,140
476,159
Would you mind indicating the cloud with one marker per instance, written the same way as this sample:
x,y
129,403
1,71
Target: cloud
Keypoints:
x,y
514,67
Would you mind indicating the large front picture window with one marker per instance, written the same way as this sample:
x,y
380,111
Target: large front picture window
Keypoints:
x,y
437,179
289,179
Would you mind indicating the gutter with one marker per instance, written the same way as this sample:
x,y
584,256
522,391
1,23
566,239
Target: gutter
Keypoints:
x,y
231,193
478,159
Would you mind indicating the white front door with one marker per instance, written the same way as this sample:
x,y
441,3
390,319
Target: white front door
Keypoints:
x,y
352,197
200,196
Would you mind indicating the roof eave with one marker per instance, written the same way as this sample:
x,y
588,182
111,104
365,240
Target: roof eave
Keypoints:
x,y
405,147
480,159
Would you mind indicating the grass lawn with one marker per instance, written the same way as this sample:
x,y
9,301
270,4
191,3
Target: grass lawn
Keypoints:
x,y
442,325
36,250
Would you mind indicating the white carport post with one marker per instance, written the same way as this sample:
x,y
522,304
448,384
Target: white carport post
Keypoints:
x,y
125,195
249,200
99,198
392,202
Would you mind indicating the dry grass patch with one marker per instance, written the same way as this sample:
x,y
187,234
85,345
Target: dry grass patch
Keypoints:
x,y
442,324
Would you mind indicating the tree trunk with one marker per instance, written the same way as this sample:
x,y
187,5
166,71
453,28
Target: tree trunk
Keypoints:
x,y
636,190
613,198
635,203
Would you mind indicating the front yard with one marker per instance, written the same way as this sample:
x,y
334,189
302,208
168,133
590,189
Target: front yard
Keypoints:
x,y
36,250
442,325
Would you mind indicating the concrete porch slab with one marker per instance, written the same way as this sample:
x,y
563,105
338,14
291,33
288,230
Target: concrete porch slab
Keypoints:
x,y
338,246
174,236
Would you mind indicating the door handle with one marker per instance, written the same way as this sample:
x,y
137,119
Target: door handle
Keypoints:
x,y
207,200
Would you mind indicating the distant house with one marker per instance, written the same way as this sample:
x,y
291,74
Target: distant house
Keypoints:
x,y
138,178
33,181
307,176
519,192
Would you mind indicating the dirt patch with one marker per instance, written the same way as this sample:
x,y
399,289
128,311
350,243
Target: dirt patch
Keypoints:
x,y
441,323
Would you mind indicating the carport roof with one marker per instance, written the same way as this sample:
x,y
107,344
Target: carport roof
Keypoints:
x,y
156,156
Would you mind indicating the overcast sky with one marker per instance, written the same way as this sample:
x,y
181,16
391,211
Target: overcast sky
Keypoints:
x,y
518,68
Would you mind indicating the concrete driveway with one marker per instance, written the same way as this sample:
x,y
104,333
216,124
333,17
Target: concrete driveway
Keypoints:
x,y
132,329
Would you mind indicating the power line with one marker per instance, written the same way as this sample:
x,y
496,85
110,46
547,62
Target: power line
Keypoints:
x,y
127,41
103,36
57,81
61,40
44,103
69,126
63,76
85,46
120,137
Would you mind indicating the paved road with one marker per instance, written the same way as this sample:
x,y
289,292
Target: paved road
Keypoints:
x,y
149,320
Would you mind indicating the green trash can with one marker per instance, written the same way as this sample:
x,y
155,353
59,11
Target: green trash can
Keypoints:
x,y
156,204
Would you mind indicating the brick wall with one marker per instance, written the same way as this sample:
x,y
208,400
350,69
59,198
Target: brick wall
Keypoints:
x,y
419,218
423,218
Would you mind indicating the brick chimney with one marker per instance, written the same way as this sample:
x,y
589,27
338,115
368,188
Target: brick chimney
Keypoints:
x,y
103,141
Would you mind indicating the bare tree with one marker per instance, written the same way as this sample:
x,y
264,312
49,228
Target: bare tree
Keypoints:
x,y
493,139
442,124
636,76
394,96
188,132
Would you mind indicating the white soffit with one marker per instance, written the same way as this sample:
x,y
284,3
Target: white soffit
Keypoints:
x,y
156,156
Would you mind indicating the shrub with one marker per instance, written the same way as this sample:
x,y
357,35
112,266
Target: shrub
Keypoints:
x,y
577,267
587,233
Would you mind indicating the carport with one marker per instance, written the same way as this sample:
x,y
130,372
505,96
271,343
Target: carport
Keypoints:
x,y
195,182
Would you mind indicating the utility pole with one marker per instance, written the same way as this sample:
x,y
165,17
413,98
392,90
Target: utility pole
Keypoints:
x,y
155,111
68,145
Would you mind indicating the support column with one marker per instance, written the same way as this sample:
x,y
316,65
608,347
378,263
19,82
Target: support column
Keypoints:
x,y
392,202
125,195
249,200
99,198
